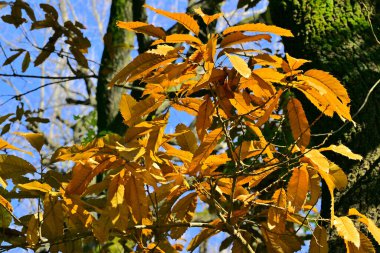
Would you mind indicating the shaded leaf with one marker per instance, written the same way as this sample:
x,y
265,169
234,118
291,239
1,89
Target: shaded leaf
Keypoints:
x,y
141,27
318,242
37,140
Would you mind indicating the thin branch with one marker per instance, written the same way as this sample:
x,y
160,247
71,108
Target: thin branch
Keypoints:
x,y
49,77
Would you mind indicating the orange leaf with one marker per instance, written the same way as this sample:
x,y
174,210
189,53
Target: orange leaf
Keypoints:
x,y
183,210
204,117
298,123
326,92
140,66
259,28
238,38
241,103
298,187
141,27
207,18
182,18
240,65
204,150
272,104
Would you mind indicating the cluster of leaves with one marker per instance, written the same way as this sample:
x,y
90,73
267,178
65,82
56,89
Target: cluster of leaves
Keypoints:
x,y
260,189
78,44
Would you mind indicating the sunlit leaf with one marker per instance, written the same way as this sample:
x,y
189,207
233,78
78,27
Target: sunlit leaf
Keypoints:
x,y
240,65
181,18
141,27
259,28
298,123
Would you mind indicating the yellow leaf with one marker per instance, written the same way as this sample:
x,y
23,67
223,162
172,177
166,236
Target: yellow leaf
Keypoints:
x,y
37,140
366,245
297,188
33,231
53,220
204,150
318,242
187,140
371,226
331,186
132,111
161,50
298,123
6,145
141,27
140,66
204,117
318,160
259,28
294,63
187,104
184,156
343,150
347,230
238,38
240,65
182,18
35,186
242,103
269,75
6,204
277,215
338,176
207,18
259,87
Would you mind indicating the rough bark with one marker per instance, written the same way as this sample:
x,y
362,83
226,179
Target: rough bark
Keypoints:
x,y
337,37
118,44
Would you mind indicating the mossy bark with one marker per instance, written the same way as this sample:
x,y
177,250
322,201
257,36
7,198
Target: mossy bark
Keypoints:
x,y
118,44
336,35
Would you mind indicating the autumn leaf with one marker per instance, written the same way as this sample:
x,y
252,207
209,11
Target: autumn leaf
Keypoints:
x,y
6,145
37,140
347,230
182,18
370,224
207,18
239,38
204,150
318,242
141,27
298,123
297,189
259,28
240,65
204,117
343,150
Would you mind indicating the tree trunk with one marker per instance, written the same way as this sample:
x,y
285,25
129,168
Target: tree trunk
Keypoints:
x,y
336,35
118,44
